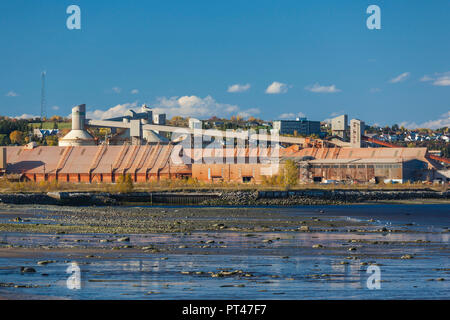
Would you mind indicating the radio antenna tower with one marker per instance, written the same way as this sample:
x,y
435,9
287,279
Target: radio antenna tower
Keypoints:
x,y
43,112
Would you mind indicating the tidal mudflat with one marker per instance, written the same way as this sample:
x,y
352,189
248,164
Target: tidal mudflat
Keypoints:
x,y
315,252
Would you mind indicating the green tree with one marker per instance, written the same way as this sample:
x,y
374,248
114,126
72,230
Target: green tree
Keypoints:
x,y
51,140
290,173
124,183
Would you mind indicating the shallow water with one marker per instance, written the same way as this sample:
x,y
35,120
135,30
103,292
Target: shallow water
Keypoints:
x,y
286,268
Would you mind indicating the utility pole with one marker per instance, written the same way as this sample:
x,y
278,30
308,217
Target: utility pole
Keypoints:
x,y
43,112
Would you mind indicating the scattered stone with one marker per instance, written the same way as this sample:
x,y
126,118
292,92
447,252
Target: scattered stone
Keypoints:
x,y
317,246
27,270
407,256
124,239
304,228
43,263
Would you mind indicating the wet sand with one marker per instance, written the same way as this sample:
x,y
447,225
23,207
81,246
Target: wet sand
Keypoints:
x,y
206,252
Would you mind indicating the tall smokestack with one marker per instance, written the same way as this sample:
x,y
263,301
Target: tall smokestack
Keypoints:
x,y
78,117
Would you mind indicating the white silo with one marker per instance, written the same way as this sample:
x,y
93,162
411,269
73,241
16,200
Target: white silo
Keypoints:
x,y
78,136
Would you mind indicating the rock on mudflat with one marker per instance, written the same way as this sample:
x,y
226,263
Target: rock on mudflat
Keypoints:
x,y
317,246
45,262
124,239
27,270
407,256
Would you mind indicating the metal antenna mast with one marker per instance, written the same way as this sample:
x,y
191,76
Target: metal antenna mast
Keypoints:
x,y
43,112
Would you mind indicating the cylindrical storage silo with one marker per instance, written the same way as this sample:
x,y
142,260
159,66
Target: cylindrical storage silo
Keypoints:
x,y
78,117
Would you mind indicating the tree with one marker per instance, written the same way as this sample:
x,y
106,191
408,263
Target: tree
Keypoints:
x,y
124,183
290,173
16,137
4,140
51,140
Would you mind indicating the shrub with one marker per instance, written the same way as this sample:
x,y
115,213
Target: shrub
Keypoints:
x,y
124,184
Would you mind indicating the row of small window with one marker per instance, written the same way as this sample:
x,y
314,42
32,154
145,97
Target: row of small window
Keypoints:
x,y
359,166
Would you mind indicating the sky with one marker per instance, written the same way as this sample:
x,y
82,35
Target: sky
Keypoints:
x,y
267,59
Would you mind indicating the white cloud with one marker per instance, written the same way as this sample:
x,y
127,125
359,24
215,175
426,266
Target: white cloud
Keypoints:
x,y
12,94
291,115
443,81
117,90
26,116
277,88
375,90
55,108
193,106
443,121
317,88
249,112
439,79
426,78
134,91
116,111
400,78
239,87
185,106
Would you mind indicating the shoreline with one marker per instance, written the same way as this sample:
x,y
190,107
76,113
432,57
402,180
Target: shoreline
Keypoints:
x,y
230,198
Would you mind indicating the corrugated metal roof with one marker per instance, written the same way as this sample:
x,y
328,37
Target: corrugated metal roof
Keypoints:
x,y
157,158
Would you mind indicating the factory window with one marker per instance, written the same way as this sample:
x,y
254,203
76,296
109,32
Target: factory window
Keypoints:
x,y
335,166
352,166
246,179
370,166
387,166
379,166
343,166
361,166
325,166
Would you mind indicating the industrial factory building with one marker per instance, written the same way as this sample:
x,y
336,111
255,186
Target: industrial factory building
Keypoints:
x,y
300,126
138,147
157,161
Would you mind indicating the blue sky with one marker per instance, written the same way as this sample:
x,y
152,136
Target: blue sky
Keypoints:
x,y
284,58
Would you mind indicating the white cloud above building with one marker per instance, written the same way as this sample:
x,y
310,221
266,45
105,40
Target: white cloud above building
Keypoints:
x,y
277,88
